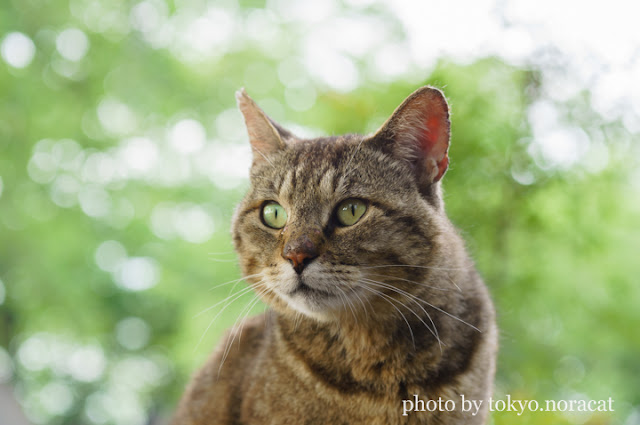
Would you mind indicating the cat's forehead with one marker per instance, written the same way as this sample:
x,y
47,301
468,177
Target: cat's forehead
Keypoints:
x,y
326,170
306,167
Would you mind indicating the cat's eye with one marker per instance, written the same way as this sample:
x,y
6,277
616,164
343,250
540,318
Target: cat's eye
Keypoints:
x,y
274,215
350,211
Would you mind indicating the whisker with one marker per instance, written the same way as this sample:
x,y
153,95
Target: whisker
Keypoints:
x,y
442,311
414,266
451,315
453,283
235,298
242,291
263,156
387,298
219,260
296,320
248,309
235,280
410,281
433,331
364,307
348,302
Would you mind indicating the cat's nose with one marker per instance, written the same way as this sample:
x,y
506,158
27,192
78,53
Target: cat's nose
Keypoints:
x,y
300,252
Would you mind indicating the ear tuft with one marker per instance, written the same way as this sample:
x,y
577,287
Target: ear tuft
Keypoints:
x,y
419,132
264,134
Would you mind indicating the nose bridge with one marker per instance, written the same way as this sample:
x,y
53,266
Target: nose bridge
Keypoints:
x,y
304,230
306,238
303,236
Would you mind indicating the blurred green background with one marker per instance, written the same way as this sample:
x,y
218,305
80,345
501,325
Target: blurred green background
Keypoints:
x,y
122,156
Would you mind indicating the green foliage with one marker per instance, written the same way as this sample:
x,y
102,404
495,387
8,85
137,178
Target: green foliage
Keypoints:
x,y
556,244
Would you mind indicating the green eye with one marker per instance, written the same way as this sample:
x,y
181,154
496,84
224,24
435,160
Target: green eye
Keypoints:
x,y
274,215
350,211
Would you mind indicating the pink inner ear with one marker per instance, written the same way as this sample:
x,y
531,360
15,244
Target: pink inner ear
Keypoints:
x,y
434,144
431,135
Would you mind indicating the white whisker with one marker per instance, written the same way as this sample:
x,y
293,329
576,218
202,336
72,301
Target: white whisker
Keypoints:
x,y
414,266
441,310
219,260
388,298
242,292
415,299
235,280
240,319
348,303
410,281
235,298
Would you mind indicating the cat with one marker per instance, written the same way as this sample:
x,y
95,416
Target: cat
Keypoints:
x,y
374,302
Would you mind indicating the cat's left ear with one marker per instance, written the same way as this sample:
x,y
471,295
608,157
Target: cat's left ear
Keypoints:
x,y
419,132
265,135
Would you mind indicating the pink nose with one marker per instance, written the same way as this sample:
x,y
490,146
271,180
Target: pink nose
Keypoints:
x,y
297,258
300,252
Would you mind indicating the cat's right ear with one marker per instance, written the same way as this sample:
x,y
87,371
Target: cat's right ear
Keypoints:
x,y
418,132
265,136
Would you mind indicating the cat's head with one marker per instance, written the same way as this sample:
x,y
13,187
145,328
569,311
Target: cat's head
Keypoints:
x,y
329,224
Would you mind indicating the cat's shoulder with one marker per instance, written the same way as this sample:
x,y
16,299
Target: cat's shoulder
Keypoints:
x,y
215,391
238,347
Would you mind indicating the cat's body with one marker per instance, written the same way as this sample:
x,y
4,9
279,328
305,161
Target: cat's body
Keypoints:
x,y
374,298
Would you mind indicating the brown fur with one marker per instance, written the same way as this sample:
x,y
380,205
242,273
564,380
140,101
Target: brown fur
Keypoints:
x,y
388,308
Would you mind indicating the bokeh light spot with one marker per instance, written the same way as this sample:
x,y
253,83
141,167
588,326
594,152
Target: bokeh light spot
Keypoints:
x,y
109,255
230,125
87,363
31,353
72,44
226,165
56,398
187,136
133,333
64,191
99,168
137,273
95,201
116,117
17,50
149,15
187,221
139,154
193,224
41,167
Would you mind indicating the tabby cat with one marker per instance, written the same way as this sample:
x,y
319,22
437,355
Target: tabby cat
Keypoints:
x,y
373,299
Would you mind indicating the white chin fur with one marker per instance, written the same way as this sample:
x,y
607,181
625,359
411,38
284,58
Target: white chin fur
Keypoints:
x,y
287,282
302,305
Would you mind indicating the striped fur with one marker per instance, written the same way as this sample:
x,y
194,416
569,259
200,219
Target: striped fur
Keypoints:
x,y
392,306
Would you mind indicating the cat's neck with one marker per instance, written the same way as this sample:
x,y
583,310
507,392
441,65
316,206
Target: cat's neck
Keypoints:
x,y
374,355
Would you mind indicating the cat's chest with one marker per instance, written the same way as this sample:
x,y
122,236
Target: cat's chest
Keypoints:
x,y
286,390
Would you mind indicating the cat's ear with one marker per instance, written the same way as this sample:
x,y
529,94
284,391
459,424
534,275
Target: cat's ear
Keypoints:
x,y
418,131
265,135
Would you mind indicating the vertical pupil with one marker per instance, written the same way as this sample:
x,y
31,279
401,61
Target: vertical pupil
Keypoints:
x,y
353,210
275,213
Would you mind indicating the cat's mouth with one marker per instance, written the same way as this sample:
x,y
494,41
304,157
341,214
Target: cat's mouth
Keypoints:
x,y
304,289
311,301
316,292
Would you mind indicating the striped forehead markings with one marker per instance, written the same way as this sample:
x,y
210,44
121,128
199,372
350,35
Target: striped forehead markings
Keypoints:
x,y
286,188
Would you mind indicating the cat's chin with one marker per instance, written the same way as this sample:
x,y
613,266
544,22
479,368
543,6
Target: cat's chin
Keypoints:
x,y
313,303
310,310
